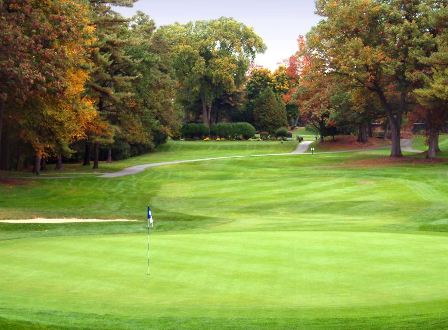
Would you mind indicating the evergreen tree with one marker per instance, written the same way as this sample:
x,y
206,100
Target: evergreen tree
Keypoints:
x,y
269,111
113,71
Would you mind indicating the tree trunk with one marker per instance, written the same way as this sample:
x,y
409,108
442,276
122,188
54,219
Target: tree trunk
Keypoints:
x,y
86,161
6,156
386,130
209,115
395,131
43,165
59,163
370,129
96,152
432,143
205,118
2,111
437,143
37,163
20,160
363,132
109,155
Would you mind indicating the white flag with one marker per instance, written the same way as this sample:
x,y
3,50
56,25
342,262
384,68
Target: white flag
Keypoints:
x,y
150,219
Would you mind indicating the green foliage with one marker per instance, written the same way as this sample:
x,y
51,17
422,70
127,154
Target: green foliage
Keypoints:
x,y
282,132
230,131
194,131
245,130
269,111
233,131
210,59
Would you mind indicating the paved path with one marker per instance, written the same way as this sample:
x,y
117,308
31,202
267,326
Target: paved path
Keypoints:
x,y
301,149
406,145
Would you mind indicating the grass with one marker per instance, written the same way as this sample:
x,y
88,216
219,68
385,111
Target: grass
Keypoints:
x,y
261,242
180,150
419,143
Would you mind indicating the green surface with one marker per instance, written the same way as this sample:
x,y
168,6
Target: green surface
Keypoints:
x,y
261,242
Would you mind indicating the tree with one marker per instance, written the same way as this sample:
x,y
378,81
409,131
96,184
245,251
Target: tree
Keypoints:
x,y
154,88
269,111
111,78
374,43
259,80
433,94
211,58
316,92
294,69
43,50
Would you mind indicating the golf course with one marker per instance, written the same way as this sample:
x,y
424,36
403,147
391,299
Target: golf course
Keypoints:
x,y
330,240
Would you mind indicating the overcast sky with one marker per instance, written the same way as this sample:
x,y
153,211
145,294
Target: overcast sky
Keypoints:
x,y
278,22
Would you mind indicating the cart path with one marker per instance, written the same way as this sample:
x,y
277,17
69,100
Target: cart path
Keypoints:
x,y
406,145
301,149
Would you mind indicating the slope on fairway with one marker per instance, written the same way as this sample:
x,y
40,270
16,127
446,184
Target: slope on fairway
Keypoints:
x,y
254,275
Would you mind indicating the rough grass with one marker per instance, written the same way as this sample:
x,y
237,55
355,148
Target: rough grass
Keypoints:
x,y
270,242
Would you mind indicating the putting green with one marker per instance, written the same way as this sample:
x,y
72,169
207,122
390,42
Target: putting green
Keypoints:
x,y
226,274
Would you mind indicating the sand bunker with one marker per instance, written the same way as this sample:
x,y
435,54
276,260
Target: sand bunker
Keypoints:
x,y
65,220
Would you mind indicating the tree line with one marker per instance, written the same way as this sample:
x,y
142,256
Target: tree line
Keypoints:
x,y
377,60
80,82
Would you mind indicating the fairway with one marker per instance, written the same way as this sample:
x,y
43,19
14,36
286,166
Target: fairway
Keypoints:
x,y
259,242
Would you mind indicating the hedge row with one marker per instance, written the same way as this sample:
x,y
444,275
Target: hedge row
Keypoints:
x,y
230,131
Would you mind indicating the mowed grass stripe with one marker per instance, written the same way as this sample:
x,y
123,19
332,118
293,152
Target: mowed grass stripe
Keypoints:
x,y
206,272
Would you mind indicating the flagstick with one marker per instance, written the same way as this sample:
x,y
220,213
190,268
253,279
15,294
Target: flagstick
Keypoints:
x,y
148,248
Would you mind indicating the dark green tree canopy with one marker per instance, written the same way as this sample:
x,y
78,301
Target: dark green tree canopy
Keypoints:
x,y
211,58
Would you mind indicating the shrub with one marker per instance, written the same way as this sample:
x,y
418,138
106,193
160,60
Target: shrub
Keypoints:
x,y
282,132
264,135
233,131
222,130
245,130
194,131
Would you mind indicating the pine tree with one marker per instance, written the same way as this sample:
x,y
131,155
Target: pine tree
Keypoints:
x,y
112,75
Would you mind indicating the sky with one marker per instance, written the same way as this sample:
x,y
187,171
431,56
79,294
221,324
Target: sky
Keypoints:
x,y
278,22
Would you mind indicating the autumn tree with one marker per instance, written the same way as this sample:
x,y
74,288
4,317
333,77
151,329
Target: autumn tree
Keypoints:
x,y
211,58
43,50
375,44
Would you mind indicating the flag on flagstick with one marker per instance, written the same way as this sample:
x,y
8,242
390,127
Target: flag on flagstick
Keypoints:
x,y
150,219
150,225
